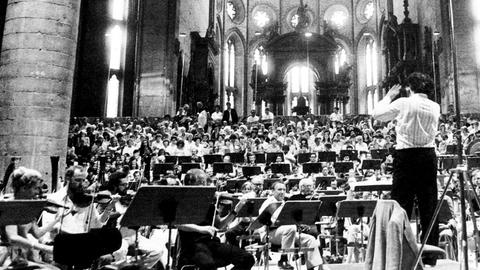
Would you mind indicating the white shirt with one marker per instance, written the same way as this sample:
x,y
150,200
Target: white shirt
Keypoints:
x,y
252,119
266,203
336,117
268,116
217,116
72,223
417,120
202,119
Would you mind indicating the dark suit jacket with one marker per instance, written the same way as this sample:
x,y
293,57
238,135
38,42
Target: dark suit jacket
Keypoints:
x,y
226,116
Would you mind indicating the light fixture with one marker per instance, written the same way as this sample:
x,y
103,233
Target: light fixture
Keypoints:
x,y
182,35
308,34
436,33
258,33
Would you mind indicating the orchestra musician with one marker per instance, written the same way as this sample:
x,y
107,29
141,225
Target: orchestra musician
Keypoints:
x,y
27,185
83,215
198,243
239,226
151,250
287,235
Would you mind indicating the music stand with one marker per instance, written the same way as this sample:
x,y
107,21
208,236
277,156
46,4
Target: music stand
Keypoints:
x,y
312,167
297,213
162,169
210,159
351,154
329,204
188,166
184,159
343,167
372,186
171,159
222,167
328,208
473,162
260,158
236,157
379,154
448,162
265,217
267,183
158,205
16,212
451,149
322,182
371,164
234,184
251,170
251,207
327,156
357,209
329,192
272,157
283,168
304,157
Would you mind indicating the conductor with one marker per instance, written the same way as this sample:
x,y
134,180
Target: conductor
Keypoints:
x,y
415,162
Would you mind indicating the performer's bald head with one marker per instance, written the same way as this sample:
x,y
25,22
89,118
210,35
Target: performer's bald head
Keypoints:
x,y
196,177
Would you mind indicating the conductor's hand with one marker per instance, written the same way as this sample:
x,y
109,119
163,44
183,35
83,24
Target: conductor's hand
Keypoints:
x,y
394,91
209,230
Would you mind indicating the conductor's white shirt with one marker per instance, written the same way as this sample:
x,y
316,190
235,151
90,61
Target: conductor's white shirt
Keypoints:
x,y
417,119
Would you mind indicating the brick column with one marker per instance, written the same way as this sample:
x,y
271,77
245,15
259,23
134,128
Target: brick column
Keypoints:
x,y
36,77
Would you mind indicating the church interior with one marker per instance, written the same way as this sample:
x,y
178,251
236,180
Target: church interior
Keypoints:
x,y
122,84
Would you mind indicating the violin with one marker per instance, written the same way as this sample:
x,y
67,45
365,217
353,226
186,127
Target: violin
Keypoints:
x,y
53,207
85,199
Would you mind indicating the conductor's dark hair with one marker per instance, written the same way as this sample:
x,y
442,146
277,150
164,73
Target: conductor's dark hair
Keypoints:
x,y
420,83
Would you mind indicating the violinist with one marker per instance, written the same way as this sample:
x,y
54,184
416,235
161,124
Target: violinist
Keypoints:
x,y
306,186
198,241
152,251
27,185
83,215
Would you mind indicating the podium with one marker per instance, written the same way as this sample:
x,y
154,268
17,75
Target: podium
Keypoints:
x,y
169,205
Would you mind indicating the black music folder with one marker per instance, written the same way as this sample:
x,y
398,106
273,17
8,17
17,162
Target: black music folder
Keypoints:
x,y
159,205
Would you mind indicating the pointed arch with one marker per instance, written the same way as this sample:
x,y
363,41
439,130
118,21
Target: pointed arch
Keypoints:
x,y
234,69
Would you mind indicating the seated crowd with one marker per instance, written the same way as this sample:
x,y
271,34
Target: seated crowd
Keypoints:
x,y
262,157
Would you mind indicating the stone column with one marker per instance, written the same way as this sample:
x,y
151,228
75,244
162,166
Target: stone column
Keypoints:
x,y
36,78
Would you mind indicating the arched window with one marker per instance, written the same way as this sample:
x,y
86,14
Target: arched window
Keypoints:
x,y
230,71
300,79
371,62
116,40
340,59
261,59
230,64
370,101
